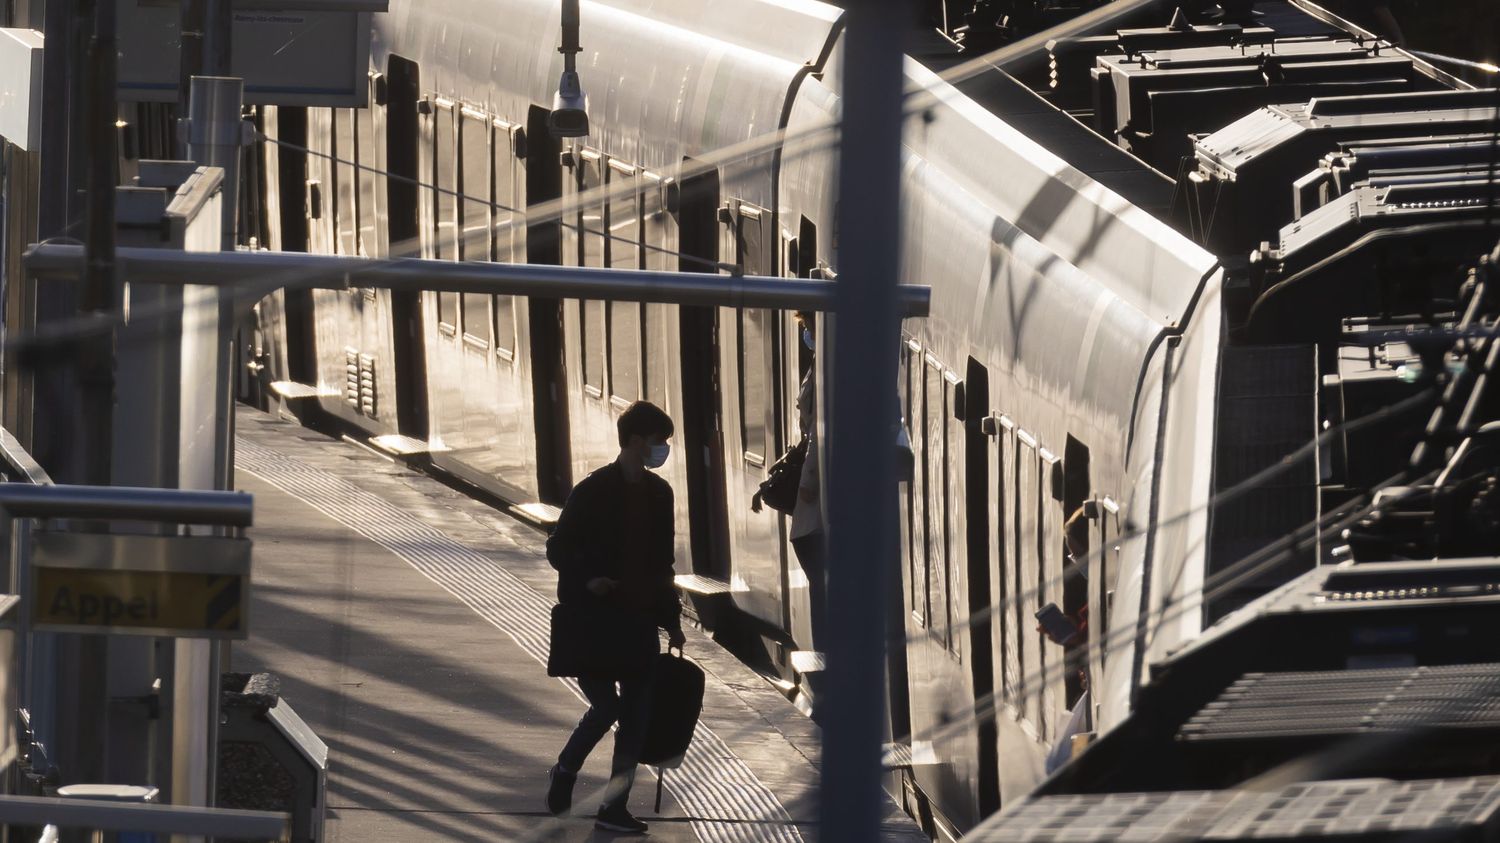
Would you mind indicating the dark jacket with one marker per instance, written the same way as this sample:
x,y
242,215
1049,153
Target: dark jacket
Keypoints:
x,y
590,532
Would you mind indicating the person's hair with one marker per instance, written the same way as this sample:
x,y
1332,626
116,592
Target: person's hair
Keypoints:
x,y
804,316
645,420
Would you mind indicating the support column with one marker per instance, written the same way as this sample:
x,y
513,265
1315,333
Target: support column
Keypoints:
x,y
860,441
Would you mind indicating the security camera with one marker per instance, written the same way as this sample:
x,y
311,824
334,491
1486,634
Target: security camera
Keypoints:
x,y
570,109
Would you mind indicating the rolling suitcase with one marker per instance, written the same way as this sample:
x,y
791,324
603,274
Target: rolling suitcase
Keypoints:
x,y
676,702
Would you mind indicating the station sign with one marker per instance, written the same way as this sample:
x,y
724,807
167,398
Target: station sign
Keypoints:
x,y
172,586
318,57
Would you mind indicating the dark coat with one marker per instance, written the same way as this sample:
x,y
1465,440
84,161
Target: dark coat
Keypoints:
x,y
591,531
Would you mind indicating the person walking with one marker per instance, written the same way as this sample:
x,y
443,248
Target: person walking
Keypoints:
x,y
613,549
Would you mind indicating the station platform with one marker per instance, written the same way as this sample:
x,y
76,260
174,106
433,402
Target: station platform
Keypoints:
x,y
408,624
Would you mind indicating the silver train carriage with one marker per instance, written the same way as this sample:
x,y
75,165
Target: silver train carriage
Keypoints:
x,y
1072,360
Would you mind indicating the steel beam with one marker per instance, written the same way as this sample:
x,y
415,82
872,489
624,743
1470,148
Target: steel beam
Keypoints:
x,y
159,819
108,503
297,270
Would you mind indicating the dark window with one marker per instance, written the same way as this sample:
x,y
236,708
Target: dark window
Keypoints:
x,y
755,340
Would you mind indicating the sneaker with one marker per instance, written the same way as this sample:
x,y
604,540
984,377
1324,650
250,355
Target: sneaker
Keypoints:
x,y
616,818
560,790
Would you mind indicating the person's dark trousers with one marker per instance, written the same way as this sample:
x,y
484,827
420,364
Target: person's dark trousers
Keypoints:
x,y
811,554
630,706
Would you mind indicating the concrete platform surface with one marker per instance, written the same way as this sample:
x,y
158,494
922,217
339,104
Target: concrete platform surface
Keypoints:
x,y
408,624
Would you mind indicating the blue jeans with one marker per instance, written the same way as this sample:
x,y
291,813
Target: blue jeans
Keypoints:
x,y
630,707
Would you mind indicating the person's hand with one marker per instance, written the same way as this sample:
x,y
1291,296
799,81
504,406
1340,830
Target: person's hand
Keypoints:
x,y
601,586
675,638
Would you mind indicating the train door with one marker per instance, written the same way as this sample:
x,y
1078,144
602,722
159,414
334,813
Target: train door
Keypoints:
x,y
977,509
701,428
543,243
403,220
469,374
1102,566
799,257
748,352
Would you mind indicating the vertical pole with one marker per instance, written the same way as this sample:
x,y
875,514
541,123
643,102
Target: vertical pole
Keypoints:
x,y
214,137
860,445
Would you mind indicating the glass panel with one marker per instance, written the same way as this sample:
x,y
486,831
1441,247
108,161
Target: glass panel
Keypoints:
x,y
446,241
474,176
593,345
936,499
369,213
505,323
508,235
753,388
624,222
625,349
916,547
656,231
752,245
505,237
591,217
477,316
592,253
346,218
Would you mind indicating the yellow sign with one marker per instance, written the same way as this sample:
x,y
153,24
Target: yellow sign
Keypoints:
x,y
183,586
155,600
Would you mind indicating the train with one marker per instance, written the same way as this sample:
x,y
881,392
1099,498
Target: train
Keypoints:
x,y
1149,237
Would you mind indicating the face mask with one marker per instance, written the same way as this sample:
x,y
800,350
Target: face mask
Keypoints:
x,y
807,338
658,455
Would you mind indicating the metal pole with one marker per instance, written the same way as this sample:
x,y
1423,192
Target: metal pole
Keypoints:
x,y
298,270
860,445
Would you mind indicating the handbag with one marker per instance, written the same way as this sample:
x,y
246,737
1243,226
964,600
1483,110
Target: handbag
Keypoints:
x,y
600,641
779,489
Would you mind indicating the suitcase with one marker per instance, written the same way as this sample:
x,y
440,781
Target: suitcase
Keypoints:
x,y
676,702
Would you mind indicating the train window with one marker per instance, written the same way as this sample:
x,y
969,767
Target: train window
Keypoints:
x,y
445,204
592,253
474,242
916,546
624,253
1005,561
656,226
346,215
1024,567
935,495
953,502
474,178
656,246
508,234
755,341
365,141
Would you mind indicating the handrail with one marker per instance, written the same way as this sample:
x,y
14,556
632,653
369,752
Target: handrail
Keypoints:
x,y
101,815
128,503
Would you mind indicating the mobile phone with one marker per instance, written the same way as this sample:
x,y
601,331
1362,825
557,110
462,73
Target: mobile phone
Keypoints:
x,y
1056,624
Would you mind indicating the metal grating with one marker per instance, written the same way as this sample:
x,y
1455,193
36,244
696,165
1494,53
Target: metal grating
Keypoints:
x,y
367,403
1365,810
1262,706
351,378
